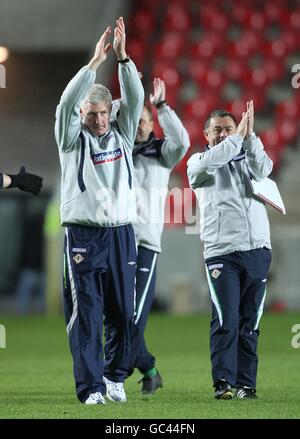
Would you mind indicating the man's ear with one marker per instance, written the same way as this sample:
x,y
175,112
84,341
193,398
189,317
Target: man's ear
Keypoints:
x,y
206,135
81,112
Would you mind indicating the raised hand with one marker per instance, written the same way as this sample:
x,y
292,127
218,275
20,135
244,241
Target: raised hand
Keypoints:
x,y
243,125
250,110
159,91
102,47
120,39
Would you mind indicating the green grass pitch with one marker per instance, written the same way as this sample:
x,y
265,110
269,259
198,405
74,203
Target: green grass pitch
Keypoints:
x,y
36,378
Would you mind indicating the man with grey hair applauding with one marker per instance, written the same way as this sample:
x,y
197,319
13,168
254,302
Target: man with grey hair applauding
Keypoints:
x,y
97,208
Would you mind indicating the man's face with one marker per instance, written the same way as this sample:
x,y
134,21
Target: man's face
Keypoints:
x,y
145,127
96,117
218,129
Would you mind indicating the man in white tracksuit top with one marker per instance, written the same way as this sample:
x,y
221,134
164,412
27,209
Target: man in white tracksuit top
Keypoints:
x,y
97,208
153,161
237,249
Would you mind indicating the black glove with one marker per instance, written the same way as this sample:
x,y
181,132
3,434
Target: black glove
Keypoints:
x,y
26,182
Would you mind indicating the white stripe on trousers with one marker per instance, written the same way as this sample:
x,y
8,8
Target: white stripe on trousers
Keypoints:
x,y
214,296
73,289
144,295
260,310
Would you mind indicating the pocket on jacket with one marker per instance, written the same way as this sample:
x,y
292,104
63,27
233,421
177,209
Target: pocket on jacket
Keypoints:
x,y
233,227
210,228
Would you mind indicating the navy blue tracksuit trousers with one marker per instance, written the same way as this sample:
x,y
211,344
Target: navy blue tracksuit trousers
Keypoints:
x,y
142,359
99,277
237,284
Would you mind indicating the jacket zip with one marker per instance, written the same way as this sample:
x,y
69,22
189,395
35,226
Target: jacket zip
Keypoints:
x,y
242,199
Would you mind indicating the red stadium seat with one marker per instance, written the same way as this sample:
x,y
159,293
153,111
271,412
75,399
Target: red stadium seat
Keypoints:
x,y
145,4
272,12
288,109
257,94
256,20
206,11
252,38
237,107
259,77
194,127
271,139
273,68
172,96
197,69
288,129
136,49
214,20
169,46
197,108
167,71
274,146
294,20
204,49
290,38
177,18
200,107
214,79
239,49
240,12
236,70
143,22
276,48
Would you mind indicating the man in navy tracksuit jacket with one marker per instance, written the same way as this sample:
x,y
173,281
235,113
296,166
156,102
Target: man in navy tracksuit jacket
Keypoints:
x,y
97,208
237,249
154,159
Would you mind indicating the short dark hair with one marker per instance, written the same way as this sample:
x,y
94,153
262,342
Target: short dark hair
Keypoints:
x,y
219,113
148,108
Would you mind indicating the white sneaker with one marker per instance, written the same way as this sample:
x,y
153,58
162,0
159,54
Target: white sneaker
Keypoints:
x,y
115,391
95,398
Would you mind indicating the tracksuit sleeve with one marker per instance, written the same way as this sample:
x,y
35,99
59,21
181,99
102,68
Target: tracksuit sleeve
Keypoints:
x,y
68,120
202,166
177,140
132,100
259,163
1,180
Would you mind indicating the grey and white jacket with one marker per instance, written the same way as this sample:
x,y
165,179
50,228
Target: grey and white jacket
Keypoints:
x,y
231,217
97,172
153,163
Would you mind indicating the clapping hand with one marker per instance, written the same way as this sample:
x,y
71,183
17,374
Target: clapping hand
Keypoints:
x,y
159,92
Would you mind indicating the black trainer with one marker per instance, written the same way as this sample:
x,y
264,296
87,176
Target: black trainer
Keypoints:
x,y
151,383
223,390
246,392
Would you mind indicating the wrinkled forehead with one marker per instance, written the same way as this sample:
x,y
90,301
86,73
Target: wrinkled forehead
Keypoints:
x,y
218,122
100,107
